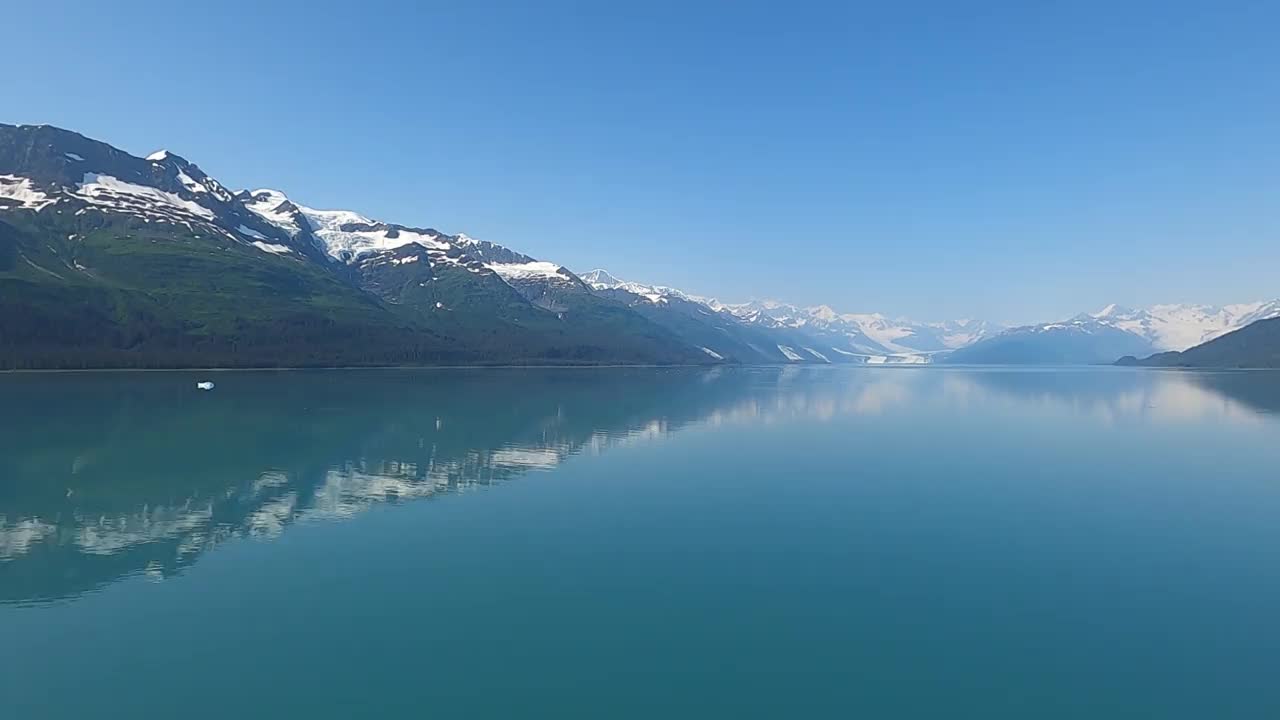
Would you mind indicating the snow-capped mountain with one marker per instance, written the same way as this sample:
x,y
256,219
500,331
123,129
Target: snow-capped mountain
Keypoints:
x,y
604,280
47,169
850,337
1083,340
107,259
872,332
111,259
1256,345
1115,332
348,237
1178,327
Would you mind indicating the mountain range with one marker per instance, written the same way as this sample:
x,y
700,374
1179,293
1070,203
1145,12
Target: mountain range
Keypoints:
x,y
1256,345
771,331
113,260
1114,332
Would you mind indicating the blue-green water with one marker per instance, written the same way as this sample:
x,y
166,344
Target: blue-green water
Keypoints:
x,y
639,543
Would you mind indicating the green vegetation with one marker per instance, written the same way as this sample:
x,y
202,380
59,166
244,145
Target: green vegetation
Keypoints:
x,y
105,290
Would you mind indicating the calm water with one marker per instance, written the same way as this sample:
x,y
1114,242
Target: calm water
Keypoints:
x,y
641,543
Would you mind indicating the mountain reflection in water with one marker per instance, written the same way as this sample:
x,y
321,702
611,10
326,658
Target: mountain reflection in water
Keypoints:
x,y
103,476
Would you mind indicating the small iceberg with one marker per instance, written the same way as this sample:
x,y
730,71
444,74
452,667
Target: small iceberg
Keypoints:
x,y
206,385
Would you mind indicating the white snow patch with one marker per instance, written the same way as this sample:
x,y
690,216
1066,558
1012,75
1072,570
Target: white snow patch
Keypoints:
x,y
266,204
272,248
73,156
712,353
817,354
350,244
250,232
439,256
114,193
158,155
792,355
528,271
1178,327
880,329
897,359
189,183
846,352
20,189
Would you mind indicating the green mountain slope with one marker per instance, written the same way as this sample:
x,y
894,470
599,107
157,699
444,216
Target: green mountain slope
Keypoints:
x,y
104,292
109,260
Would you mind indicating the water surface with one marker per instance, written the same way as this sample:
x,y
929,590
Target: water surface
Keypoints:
x,y
754,542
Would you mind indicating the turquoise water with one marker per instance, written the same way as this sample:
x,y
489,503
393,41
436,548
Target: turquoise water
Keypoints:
x,y
638,543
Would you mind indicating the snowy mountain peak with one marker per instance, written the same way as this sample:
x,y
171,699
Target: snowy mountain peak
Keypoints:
x,y
351,238
349,235
604,280
266,198
165,157
600,277
823,312
276,209
344,235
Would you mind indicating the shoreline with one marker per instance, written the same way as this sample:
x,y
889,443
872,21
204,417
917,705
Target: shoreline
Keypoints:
x,y
16,371
384,368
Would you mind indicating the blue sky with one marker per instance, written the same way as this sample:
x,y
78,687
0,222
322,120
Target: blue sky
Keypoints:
x,y
1006,160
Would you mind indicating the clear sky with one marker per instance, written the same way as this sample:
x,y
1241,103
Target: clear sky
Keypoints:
x,y
1016,161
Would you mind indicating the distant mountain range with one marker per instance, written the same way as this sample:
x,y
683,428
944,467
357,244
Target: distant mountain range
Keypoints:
x,y
111,260
1114,332
770,331
1256,345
